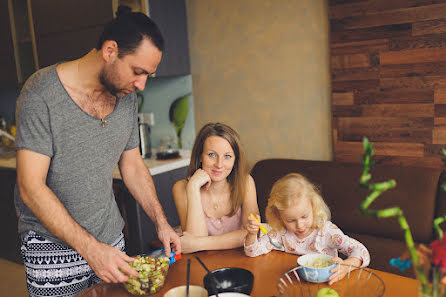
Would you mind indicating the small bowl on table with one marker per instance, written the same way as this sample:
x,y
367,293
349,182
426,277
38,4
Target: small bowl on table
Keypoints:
x,y
194,291
152,275
233,279
315,268
230,294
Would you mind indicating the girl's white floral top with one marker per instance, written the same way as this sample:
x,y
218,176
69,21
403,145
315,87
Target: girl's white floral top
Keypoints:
x,y
328,240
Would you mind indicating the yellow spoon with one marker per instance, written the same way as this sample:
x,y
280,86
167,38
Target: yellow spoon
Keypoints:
x,y
273,241
261,227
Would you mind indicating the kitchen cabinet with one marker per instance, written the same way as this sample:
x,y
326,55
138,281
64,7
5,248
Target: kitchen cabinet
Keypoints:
x,y
15,46
65,29
39,33
8,73
11,242
139,228
170,16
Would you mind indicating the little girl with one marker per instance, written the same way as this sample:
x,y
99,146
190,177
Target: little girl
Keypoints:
x,y
300,221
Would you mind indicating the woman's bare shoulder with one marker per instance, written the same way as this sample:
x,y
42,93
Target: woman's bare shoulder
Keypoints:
x,y
250,180
179,188
181,183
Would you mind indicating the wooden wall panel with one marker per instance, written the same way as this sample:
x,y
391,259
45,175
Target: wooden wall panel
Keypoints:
x,y
388,69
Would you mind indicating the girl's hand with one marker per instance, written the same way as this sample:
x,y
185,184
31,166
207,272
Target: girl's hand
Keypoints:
x,y
338,272
253,227
199,179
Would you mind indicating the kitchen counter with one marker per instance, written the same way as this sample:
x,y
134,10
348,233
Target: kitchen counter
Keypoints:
x,y
160,166
155,166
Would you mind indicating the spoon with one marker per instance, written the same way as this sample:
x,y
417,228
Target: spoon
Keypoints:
x,y
273,241
215,281
188,277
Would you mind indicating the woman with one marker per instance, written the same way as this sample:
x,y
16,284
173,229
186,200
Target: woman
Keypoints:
x,y
214,203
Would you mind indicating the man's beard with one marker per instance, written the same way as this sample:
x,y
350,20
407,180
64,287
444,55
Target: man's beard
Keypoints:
x,y
106,81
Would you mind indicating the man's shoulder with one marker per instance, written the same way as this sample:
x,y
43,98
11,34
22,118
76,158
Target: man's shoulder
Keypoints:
x,y
42,75
43,83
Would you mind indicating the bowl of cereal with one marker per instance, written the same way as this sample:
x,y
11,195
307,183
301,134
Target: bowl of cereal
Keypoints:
x,y
152,274
315,268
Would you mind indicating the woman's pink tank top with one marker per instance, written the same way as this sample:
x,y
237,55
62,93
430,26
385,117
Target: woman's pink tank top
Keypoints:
x,y
224,224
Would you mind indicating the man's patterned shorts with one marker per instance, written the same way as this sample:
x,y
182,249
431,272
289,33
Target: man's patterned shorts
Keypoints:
x,y
53,269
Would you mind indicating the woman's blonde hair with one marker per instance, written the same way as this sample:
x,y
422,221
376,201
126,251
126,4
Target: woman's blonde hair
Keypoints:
x,y
237,179
289,190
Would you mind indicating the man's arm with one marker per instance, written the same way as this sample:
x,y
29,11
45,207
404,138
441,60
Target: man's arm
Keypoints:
x,y
139,182
106,261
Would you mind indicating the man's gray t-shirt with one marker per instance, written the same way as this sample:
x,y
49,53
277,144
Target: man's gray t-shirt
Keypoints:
x,y
83,154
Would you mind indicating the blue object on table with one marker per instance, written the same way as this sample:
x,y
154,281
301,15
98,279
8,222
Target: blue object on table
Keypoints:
x,y
160,253
401,265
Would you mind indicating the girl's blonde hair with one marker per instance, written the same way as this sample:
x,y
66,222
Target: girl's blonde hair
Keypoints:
x,y
237,179
289,190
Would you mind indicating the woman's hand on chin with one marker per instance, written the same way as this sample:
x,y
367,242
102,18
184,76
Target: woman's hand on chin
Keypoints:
x,y
199,179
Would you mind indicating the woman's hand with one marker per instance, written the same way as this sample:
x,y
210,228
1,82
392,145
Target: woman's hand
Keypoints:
x,y
199,179
189,243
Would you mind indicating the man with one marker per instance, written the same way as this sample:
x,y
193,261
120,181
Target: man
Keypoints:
x,y
77,120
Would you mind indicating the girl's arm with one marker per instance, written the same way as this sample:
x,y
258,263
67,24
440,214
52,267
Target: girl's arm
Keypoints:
x,y
260,245
348,246
357,253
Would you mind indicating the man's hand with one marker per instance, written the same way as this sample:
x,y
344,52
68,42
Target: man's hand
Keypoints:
x,y
109,263
168,236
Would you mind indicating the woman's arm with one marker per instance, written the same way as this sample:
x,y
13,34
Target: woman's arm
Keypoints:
x,y
180,199
187,199
230,240
249,204
196,222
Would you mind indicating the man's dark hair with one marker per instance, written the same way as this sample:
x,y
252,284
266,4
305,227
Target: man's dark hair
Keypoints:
x,y
128,29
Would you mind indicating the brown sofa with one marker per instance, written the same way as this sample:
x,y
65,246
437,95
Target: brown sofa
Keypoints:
x,y
417,193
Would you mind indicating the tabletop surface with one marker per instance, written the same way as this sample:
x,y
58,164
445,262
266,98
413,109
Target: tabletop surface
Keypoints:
x,y
267,270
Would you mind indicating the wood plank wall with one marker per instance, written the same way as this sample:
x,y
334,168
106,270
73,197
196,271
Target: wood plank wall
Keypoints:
x,y
388,68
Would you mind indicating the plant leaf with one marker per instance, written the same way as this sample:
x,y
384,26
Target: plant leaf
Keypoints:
x,y
178,111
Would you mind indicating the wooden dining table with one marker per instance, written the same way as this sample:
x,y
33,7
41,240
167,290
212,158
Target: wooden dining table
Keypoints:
x,y
267,270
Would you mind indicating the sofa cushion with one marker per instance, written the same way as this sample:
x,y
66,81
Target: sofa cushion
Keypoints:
x,y
415,193
382,250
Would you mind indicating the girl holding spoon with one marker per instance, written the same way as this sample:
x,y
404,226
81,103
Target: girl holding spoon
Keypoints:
x,y
300,221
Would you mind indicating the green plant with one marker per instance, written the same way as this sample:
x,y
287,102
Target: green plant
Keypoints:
x,y
178,115
376,189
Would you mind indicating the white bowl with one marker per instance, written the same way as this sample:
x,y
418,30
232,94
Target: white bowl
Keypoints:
x,y
230,294
195,291
310,273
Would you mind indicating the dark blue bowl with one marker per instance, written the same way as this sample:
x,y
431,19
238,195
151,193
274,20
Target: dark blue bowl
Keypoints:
x,y
229,280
